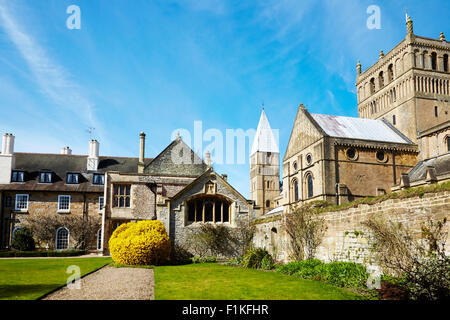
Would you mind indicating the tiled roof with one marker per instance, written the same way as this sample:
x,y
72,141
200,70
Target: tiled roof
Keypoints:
x,y
441,164
358,128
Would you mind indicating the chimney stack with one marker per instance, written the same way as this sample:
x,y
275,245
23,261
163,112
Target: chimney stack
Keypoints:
x,y
93,160
66,150
7,158
141,163
208,158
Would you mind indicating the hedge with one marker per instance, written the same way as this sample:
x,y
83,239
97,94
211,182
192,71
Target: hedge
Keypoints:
x,y
46,253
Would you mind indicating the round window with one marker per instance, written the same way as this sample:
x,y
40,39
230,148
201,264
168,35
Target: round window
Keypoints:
x,y
351,154
308,159
381,156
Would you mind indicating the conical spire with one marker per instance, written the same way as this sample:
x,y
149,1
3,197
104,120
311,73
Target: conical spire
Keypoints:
x,y
264,138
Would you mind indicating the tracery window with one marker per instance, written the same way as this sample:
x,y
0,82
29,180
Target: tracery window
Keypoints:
x,y
209,209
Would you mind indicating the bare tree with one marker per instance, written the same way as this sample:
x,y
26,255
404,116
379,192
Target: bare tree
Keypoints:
x,y
306,230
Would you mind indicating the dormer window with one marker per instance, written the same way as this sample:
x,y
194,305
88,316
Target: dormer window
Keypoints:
x,y
72,178
45,177
17,176
99,179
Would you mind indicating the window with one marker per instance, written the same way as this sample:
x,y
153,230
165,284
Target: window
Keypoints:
x,y
308,159
381,156
22,202
17,176
45,177
267,203
208,209
394,120
14,231
63,203
8,202
72,178
381,79
295,190
391,72
100,203
99,179
295,165
372,85
433,60
445,62
122,196
309,181
268,184
448,144
436,111
351,154
99,239
62,239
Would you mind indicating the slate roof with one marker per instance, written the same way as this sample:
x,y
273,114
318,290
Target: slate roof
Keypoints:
x,y
177,159
60,164
264,139
441,164
359,128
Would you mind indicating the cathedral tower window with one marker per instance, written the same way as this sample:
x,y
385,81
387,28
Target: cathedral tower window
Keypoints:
x,y
436,111
381,79
372,85
391,72
308,159
267,203
433,60
394,122
446,62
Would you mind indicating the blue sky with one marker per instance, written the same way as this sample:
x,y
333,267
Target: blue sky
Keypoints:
x,y
156,66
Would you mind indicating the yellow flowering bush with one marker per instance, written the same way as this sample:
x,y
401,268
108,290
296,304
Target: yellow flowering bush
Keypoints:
x,y
140,243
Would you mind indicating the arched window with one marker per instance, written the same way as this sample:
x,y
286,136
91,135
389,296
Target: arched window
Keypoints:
x,y
372,85
433,60
209,209
99,239
309,182
446,62
295,189
381,79
267,203
448,144
391,72
14,231
62,239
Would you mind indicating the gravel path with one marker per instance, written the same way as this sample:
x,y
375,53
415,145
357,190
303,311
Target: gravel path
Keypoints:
x,y
111,283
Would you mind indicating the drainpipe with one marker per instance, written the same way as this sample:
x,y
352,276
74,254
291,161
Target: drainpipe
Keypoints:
x,y
393,167
153,186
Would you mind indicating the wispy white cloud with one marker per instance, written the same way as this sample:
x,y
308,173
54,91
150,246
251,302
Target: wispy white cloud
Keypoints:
x,y
53,80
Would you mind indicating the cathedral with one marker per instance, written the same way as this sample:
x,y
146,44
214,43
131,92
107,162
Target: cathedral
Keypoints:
x,y
400,139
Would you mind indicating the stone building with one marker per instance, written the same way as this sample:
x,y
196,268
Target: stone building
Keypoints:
x,y
55,184
176,187
401,138
179,189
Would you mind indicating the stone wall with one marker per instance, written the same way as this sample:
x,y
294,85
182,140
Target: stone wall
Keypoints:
x,y
346,239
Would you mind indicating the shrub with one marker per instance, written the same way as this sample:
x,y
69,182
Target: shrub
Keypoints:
x,y
346,274
342,274
254,257
267,262
211,240
140,243
23,240
420,260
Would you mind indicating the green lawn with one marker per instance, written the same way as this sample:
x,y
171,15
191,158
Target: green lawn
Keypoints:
x,y
216,282
29,279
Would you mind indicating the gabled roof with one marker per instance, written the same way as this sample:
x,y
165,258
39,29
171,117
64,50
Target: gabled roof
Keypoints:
x,y
358,128
264,139
177,159
441,164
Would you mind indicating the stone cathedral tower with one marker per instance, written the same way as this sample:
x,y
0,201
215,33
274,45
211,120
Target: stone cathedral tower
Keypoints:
x,y
264,167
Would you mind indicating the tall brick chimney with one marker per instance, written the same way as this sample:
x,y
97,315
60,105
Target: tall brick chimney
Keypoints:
x,y
93,160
